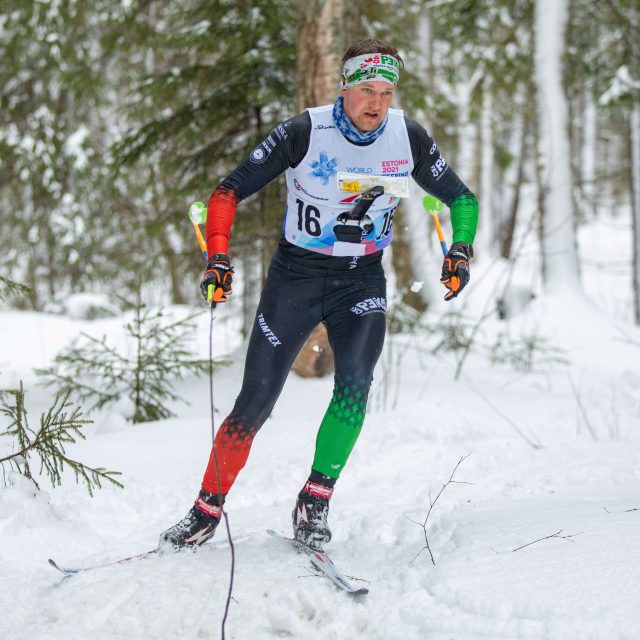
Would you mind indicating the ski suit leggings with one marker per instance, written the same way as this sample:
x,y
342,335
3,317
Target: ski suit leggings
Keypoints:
x,y
295,298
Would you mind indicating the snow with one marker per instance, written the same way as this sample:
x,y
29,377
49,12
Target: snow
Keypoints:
x,y
581,479
538,537
73,146
622,84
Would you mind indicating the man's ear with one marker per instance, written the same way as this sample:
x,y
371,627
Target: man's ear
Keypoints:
x,y
343,93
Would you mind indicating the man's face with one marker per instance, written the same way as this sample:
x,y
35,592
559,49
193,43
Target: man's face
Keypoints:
x,y
366,104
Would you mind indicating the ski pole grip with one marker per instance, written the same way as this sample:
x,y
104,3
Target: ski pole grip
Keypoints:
x,y
433,205
198,216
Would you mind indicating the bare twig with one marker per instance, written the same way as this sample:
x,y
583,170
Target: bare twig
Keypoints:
x,y
487,311
583,411
567,537
509,421
432,504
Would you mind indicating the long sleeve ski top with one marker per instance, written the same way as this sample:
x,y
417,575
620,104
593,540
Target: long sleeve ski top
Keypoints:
x,y
287,146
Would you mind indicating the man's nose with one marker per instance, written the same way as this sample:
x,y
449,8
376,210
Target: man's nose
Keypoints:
x,y
375,100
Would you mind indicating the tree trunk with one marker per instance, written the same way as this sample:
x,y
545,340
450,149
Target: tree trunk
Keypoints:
x,y
466,134
588,177
560,262
425,45
635,198
634,121
325,28
486,235
513,179
173,264
402,262
412,228
417,243
324,32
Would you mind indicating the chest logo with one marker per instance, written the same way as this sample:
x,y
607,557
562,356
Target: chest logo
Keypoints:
x,y
324,168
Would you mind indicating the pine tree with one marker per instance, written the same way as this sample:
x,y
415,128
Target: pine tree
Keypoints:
x,y
604,54
98,374
214,89
49,141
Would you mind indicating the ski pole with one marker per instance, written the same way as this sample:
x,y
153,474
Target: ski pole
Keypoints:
x,y
432,205
198,216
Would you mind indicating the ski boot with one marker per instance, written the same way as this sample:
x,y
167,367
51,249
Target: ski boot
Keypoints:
x,y
310,515
197,527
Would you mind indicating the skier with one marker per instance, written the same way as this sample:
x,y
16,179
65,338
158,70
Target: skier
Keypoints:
x,y
327,268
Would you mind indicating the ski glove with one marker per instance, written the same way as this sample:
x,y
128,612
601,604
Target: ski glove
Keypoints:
x,y
219,273
455,269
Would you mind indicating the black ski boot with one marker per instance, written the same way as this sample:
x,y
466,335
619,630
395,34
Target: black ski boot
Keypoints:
x,y
197,527
310,515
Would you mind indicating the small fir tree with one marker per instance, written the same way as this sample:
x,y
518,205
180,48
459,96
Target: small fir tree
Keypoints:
x,y
60,425
96,372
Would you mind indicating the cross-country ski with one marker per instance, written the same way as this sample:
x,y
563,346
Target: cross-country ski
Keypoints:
x,y
321,560
222,543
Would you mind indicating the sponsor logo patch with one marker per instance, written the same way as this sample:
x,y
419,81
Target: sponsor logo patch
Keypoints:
x,y
209,509
370,305
439,167
318,490
299,187
271,337
264,149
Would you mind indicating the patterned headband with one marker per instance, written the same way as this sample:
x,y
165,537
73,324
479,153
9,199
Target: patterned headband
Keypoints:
x,y
370,67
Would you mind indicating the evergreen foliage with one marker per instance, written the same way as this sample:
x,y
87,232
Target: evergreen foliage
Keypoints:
x,y
60,426
114,117
50,95
95,372
227,81
11,288
526,353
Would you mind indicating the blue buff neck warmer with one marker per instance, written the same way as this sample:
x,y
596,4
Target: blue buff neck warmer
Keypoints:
x,y
349,130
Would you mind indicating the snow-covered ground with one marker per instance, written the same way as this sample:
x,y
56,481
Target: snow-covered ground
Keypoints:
x,y
554,454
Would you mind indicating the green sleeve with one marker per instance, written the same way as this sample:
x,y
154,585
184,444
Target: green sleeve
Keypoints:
x,y
464,217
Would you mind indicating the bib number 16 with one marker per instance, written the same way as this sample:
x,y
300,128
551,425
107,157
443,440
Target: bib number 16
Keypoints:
x,y
308,219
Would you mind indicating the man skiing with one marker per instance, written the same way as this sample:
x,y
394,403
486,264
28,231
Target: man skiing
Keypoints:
x,y
327,268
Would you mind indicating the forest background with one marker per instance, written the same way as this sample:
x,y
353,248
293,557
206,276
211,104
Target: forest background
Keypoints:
x,y
114,117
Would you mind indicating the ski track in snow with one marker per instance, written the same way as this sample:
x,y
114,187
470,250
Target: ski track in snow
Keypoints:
x,y
583,481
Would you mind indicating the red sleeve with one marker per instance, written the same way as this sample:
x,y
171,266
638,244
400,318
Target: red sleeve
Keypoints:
x,y
221,209
284,147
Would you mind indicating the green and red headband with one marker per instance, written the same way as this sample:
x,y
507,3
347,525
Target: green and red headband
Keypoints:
x,y
370,67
